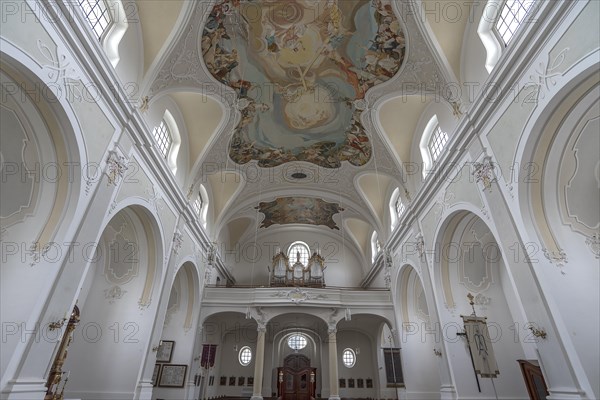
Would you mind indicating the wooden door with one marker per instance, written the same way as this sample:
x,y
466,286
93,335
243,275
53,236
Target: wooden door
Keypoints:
x,y
297,378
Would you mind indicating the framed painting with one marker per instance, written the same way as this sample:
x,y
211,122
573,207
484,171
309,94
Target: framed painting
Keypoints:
x,y
232,381
342,383
241,380
223,381
155,374
165,351
172,375
369,383
250,381
351,383
360,383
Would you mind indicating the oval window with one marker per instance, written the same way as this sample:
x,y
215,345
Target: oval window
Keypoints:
x,y
297,342
349,358
245,356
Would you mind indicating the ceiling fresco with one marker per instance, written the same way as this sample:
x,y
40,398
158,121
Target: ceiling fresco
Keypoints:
x,y
299,210
301,70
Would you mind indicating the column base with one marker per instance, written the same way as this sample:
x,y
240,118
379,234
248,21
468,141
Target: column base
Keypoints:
x,y
333,398
255,397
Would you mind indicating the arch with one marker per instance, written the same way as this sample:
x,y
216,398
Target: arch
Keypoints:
x,y
375,246
230,331
180,305
301,248
167,110
205,204
49,155
418,335
467,264
117,291
113,38
176,138
431,130
566,246
486,33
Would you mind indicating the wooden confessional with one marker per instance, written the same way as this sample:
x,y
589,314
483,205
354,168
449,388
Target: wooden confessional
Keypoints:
x,y
296,380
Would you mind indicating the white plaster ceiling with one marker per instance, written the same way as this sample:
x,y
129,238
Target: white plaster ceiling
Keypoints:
x,y
178,69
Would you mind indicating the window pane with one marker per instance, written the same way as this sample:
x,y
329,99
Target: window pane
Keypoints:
x,y
299,248
245,355
512,15
297,342
437,142
349,358
400,207
197,204
163,139
97,14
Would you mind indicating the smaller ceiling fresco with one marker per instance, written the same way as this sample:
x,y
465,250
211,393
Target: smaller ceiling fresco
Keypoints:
x,y
301,69
299,210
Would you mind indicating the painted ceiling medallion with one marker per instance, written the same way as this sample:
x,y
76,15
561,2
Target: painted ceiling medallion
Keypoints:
x,y
302,68
299,210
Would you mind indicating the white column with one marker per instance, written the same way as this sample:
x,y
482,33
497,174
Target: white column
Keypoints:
x,y
259,363
333,364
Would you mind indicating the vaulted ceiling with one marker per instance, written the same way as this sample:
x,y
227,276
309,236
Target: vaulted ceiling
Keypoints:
x,y
271,91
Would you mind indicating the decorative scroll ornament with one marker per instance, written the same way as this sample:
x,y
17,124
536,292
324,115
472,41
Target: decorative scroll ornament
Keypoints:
x,y
456,109
297,295
482,300
207,274
420,245
484,172
177,242
143,304
144,104
593,242
332,321
543,77
212,250
116,167
114,293
558,257
388,269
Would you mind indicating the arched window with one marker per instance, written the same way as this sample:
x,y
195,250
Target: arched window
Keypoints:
x,y
301,248
375,245
297,342
108,21
197,204
349,358
98,15
163,138
245,356
167,138
500,21
400,207
437,142
511,16
203,199
433,143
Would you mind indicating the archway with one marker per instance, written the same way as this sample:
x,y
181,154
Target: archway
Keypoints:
x,y
38,192
109,345
171,376
419,338
560,212
468,260
233,337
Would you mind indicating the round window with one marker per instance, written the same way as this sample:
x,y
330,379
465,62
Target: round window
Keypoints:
x,y
349,358
245,355
297,342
